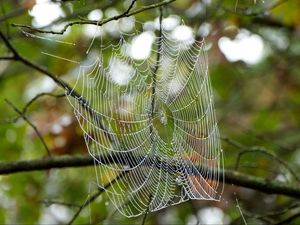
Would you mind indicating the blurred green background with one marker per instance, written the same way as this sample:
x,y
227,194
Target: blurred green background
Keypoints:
x,y
254,61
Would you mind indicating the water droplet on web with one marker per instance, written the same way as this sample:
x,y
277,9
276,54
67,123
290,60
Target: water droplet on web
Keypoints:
x,y
106,203
126,167
178,180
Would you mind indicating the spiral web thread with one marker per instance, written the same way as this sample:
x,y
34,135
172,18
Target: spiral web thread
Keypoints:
x,y
155,132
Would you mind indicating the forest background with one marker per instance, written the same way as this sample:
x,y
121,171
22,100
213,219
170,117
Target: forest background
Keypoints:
x,y
253,49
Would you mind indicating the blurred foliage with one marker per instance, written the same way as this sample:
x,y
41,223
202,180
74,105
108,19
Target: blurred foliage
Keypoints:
x,y
257,105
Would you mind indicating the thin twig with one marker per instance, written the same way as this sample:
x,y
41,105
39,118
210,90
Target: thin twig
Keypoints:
x,y
158,56
147,210
240,210
255,149
51,202
81,13
130,7
93,22
264,11
289,219
266,139
7,58
278,213
30,124
28,104
95,196
17,57
236,5
9,46
268,153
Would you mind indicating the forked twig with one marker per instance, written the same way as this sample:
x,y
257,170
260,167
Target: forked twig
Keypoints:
x,y
28,104
255,149
30,124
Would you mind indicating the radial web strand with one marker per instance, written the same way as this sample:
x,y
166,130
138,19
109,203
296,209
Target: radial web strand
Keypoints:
x,y
165,142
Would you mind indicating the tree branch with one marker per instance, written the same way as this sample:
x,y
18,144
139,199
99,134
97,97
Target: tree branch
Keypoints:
x,y
28,104
94,22
69,90
231,177
7,58
17,57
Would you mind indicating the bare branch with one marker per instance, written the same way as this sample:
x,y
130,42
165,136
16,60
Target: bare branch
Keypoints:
x,y
51,202
273,214
24,111
28,104
231,177
30,124
97,23
289,219
255,149
95,196
264,137
147,210
130,7
17,57
9,46
8,58
45,164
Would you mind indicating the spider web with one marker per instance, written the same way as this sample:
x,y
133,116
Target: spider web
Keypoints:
x,y
150,124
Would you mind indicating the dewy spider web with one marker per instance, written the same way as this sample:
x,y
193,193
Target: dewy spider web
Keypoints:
x,y
157,127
